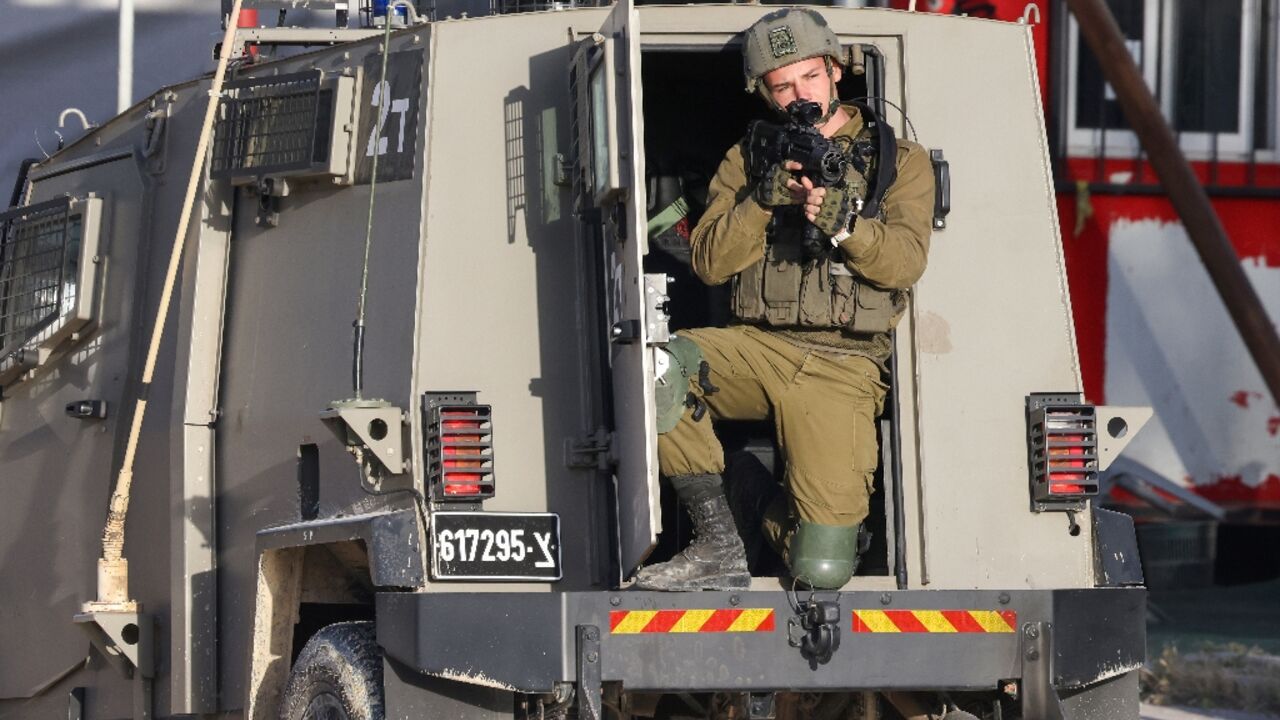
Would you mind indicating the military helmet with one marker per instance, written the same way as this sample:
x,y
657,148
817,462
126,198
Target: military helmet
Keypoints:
x,y
783,37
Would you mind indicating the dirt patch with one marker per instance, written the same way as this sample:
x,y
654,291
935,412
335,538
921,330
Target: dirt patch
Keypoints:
x,y
1228,676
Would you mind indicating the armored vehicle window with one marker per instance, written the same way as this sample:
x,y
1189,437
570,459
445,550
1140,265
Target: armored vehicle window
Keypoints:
x,y
599,132
283,125
594,79
46,289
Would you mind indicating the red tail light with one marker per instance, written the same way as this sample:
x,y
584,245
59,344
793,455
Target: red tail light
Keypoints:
x,y
459,448
1069,457
1062,443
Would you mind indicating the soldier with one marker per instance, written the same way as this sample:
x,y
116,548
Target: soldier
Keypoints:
x,y
810,340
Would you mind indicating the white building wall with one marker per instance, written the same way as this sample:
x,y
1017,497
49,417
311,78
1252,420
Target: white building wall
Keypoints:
x,y
1171,345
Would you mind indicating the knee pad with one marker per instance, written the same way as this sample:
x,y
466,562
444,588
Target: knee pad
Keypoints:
x,y
681,357
823,556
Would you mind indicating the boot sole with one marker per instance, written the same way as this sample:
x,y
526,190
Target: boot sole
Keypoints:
x,y
717,582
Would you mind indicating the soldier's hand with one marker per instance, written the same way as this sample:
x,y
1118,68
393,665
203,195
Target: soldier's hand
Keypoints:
x,y
799,189
811,197
833,209
776,188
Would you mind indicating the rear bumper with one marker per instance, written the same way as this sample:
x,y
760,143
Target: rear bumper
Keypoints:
x,y
657,642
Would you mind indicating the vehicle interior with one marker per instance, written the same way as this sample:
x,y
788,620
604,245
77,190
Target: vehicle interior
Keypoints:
x,y
691,119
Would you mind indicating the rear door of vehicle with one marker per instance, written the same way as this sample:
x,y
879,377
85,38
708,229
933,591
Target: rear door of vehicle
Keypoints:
x,y
609,179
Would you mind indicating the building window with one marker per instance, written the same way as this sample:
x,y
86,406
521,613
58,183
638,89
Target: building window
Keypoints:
x,y
1211,66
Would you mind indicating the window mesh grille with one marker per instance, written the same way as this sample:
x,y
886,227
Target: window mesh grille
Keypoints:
x,y
518,6
39,257
272,125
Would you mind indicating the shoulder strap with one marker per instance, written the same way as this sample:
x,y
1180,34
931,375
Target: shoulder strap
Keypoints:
x,y
886,166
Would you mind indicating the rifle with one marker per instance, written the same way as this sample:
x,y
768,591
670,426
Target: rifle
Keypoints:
x,y
821,160
824,161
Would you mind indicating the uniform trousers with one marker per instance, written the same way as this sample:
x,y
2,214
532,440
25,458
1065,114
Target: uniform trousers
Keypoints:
x,y
823,404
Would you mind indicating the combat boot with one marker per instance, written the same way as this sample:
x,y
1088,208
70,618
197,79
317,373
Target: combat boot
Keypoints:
x,y
715,560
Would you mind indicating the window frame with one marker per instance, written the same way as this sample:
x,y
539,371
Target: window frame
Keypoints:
x,y
39,340
1158,67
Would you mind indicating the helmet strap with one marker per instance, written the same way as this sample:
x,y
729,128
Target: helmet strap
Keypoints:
x,y
768,98
834,103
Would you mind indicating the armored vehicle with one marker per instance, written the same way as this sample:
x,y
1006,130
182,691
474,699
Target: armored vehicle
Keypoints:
x,y
438,514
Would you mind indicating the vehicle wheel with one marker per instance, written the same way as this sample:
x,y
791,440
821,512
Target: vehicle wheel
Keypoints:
x,y
338,676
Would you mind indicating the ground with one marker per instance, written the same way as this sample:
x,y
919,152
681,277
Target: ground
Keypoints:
x,y
1245,614
1162,712
1213,653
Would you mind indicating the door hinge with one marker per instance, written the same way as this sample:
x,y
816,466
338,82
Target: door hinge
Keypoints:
x,y
592,451
563,170
657,306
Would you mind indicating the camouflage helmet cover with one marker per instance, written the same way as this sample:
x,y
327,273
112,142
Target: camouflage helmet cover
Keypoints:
x,y
783,37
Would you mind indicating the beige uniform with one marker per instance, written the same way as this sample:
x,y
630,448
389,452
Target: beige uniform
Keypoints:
x,y
822,386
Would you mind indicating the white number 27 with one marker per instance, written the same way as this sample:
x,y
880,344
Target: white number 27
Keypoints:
x,y
386,105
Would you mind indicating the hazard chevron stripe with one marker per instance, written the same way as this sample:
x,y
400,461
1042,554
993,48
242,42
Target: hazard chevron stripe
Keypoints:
x,y
935,621
636,622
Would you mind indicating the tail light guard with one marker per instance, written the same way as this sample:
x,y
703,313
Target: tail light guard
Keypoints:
x,y
458,448
1069,443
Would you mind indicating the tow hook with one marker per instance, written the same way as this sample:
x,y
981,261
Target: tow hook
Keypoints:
x,y
815,628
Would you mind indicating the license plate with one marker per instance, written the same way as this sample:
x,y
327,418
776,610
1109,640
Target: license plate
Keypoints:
x,y
495,546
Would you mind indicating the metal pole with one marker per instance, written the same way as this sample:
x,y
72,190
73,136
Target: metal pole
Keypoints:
x,y
124,69
1100,31
895,475
113,567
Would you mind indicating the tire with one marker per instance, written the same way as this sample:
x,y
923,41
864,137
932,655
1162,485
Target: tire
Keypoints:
x,y
338,676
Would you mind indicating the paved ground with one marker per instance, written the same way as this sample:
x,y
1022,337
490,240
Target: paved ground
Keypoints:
x,y
1244,614
1212,629
1158,712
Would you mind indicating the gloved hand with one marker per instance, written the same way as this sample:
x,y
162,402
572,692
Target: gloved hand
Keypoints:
x,y
836,211
775,189
839,203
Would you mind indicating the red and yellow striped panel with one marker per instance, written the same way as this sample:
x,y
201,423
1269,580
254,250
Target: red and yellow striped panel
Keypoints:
x,y
635,622
935,621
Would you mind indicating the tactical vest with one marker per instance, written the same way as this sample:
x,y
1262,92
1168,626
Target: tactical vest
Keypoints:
x,y
786,289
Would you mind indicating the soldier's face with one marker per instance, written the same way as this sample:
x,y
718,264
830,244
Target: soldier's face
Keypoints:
x,y
804,80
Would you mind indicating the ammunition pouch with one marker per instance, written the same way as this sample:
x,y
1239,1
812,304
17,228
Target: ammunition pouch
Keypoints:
x,y
787,290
